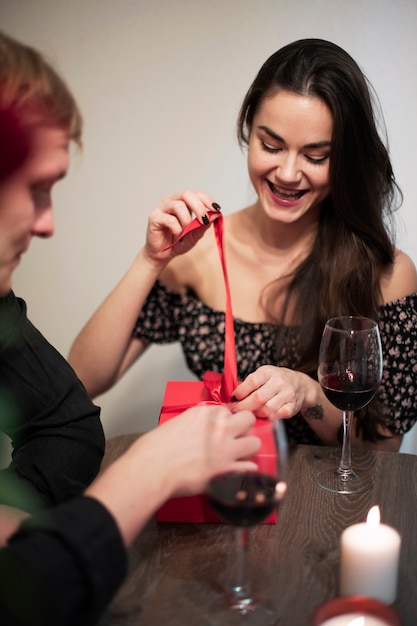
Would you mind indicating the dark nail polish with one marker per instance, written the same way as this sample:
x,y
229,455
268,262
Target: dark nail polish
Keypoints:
x,y
205,220
216,206
234,399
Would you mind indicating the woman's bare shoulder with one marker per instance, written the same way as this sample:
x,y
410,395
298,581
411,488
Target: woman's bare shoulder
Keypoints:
x,y
401,279
184,271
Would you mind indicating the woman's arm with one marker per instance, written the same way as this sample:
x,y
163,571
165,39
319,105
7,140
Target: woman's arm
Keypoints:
x,y
280,392
105,349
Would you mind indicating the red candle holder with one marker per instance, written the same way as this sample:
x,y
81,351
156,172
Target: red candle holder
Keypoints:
x,y
368,607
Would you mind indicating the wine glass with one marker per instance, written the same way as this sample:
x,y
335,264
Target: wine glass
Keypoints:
x,y
245,499
349,372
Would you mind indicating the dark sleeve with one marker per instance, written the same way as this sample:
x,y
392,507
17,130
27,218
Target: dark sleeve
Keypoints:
x,y
56,433
161,317
398,391
62,567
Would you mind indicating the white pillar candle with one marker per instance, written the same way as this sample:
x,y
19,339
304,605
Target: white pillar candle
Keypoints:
x,y
369,559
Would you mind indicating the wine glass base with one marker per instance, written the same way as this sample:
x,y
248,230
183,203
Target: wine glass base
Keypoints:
x,y
344,482
229,611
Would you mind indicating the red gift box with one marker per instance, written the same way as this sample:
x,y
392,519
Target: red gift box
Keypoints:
x,y
214,388
197,508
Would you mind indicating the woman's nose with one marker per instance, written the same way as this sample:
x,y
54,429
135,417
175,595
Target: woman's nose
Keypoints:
x,y
287,169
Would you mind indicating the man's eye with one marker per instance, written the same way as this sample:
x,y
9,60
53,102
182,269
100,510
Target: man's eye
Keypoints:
x,y
40,192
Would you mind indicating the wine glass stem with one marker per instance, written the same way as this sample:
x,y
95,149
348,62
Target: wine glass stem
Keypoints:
x,y
345,466
241,590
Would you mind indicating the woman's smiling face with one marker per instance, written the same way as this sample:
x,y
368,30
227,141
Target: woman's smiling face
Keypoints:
x,y
289,154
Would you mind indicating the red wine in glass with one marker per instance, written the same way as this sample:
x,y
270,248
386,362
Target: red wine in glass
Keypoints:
x,y
244,499
349,372
349,391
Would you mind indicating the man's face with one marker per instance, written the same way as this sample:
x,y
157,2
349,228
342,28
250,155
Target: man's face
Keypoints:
x,y
25,198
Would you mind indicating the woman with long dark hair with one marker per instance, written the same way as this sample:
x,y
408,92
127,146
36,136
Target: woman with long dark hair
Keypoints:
x,y
317,242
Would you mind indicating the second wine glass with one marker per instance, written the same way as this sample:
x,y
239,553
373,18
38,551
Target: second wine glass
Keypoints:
x,y
349,372
245,499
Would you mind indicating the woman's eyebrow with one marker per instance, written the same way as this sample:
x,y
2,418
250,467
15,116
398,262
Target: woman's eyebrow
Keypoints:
x,y
308,146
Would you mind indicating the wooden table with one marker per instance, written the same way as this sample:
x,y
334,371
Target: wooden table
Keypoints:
x,y
176,570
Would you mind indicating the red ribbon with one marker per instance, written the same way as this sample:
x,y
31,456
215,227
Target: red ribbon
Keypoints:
x,y
219,386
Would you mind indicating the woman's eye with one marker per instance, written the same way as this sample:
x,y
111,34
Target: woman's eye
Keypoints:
x,y
317,160
268,148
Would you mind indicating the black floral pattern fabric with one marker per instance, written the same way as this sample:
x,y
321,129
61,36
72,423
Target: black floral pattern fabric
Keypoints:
x,y
169,317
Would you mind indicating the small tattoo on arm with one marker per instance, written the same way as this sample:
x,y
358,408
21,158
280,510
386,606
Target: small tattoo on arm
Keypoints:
x,y
314,412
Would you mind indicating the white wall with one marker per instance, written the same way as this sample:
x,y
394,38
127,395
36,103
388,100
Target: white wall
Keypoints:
x,y
160,84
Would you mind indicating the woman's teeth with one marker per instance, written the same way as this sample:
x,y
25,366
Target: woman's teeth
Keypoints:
x,y
287,194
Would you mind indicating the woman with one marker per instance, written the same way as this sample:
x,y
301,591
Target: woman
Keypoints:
x,y
315,244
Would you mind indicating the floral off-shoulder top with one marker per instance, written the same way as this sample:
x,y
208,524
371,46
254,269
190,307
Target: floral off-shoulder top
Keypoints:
x,y
169,317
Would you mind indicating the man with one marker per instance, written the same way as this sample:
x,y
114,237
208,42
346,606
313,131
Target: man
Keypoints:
x,y
64,544
57,437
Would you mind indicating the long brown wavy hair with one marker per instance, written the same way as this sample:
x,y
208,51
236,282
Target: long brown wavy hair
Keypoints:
x,y
355,239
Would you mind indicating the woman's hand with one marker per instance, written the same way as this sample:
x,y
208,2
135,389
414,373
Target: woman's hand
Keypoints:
x,y
172,216
273,392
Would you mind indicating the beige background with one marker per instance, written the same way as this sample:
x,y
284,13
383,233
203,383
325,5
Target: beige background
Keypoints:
x,y
160,84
